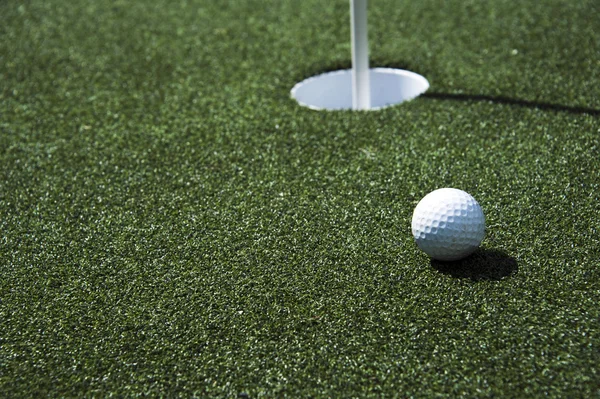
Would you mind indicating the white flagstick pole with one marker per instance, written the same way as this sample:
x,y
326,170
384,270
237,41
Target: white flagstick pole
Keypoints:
x,y
361,87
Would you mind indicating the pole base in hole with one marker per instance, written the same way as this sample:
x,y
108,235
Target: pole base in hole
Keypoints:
x,y
333,90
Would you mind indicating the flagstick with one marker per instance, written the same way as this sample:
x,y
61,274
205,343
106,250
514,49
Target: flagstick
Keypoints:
x,y
361,87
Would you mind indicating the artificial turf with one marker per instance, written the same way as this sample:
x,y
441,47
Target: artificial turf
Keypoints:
x,y
173,223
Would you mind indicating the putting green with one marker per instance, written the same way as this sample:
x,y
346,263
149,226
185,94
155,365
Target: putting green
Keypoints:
x,y
172,223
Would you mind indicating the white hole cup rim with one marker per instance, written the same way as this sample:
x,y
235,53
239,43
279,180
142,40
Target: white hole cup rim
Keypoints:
x,y
332,91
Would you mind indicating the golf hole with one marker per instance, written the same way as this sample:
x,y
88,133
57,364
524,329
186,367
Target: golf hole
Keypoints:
x,y
333,90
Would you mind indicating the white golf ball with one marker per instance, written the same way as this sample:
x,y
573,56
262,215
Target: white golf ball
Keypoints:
x,y
448,224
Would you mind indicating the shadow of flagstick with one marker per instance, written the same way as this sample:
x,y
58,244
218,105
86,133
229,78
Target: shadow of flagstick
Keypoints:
x,y
512,101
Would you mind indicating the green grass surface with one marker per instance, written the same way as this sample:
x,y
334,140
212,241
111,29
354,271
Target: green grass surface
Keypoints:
x,y
172,223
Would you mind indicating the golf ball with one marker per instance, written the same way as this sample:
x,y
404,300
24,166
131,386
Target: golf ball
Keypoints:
x,y
448,224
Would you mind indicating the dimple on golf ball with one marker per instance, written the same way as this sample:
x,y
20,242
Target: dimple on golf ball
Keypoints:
x,y
448,224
